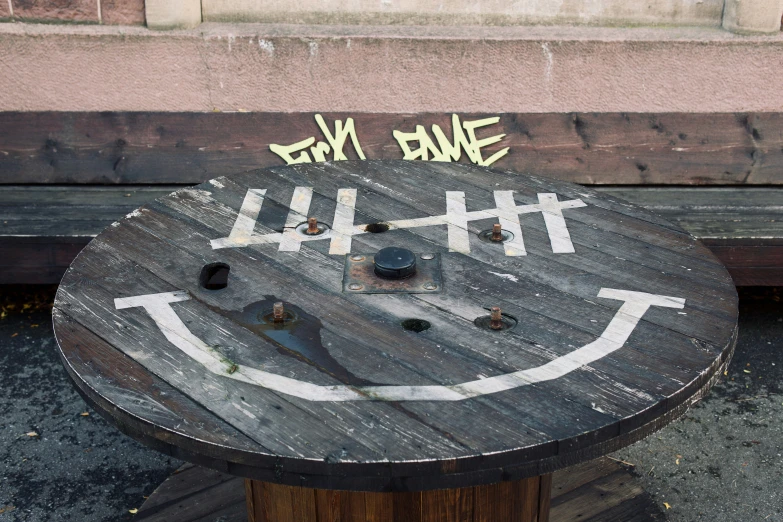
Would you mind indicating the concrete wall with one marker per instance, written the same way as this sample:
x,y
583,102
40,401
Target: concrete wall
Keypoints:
x,y
735,15
292,68
465,12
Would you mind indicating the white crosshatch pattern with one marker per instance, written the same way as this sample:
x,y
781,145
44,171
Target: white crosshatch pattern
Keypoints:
x,y
456,219
617,332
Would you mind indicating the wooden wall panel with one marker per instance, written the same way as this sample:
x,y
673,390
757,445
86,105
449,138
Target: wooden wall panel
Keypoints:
x,y
606,148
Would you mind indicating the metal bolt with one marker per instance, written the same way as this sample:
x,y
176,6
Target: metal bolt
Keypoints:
x,y
357,258
430,286
427,257
497,232
355,286
495,318
278,312
312,226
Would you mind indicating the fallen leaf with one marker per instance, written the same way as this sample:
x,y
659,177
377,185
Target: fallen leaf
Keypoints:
x,y
33,326
746,371
725,372
31,434
677,461
14,334
133,511
666,505
85,413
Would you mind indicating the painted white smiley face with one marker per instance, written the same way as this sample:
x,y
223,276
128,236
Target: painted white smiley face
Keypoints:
x,y
343,229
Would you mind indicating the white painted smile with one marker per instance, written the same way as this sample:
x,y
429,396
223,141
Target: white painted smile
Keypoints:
x,y
614,337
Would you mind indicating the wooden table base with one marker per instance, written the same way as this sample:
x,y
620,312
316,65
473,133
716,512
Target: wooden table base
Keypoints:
x,y
519,501
599,491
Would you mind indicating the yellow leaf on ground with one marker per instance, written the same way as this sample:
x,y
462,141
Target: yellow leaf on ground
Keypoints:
x,y
133,511
666,505
14,335
84,413
31,434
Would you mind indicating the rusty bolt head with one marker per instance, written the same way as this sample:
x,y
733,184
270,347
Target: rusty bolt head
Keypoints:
x,y
495,318
278,312
312,226
357,257
497,232
355,286
430,286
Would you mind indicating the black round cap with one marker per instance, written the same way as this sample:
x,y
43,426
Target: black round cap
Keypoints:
x,y
395,263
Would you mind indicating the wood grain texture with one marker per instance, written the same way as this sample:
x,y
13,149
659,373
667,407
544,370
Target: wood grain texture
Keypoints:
x,y
353,344
43,228
517,501
191,482
604,148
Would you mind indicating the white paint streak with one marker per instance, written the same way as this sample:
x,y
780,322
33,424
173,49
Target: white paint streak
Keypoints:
x,y
556,227
617,332
510,277
216,183
297,213
456,218
549,61
457,222
342,226
509,221
242,232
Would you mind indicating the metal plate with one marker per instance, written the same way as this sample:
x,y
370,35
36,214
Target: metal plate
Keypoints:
x,y
359,276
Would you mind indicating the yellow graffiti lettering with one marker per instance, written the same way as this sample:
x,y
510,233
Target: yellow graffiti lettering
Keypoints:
x,y
463,138
335,142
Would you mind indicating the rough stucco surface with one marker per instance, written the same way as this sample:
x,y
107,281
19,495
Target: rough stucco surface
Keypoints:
x,y
122,12
753,16
450,12
387,69
50,10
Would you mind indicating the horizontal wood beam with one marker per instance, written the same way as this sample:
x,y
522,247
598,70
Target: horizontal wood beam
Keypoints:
x,y
590,148
43,228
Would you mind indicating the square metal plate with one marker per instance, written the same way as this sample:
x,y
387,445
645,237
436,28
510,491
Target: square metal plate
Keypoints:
x,y
359,276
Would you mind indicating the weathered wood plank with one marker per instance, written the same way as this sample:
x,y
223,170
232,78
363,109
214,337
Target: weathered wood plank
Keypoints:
x,y
531,322
607,148
622,318
42,228
137,399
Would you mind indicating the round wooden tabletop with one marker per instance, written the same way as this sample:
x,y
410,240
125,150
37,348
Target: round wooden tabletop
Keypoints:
x,y
218,325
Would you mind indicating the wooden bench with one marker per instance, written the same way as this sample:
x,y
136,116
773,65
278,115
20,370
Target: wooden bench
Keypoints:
x,y
44,227
66,176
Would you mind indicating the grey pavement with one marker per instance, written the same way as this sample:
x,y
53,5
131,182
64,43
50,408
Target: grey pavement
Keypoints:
x,y
721,462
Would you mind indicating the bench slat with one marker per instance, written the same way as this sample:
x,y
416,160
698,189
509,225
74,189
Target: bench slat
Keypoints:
x,y
42,228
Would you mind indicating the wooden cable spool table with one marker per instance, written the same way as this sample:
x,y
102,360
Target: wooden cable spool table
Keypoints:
x,y
383,340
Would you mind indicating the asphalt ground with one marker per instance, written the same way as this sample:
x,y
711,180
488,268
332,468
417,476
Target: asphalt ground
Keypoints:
x,y
61,461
